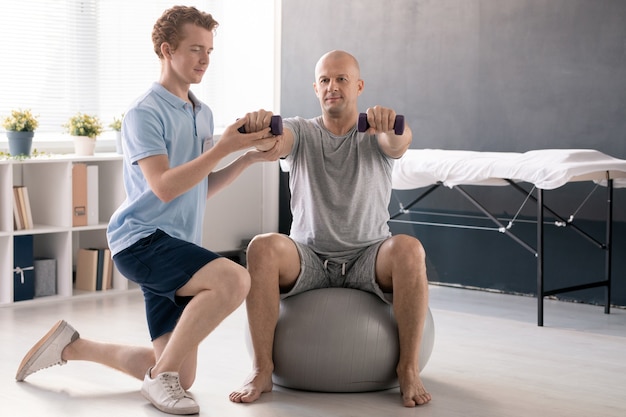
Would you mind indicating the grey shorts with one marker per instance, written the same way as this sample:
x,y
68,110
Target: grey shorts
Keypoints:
x,y
358,272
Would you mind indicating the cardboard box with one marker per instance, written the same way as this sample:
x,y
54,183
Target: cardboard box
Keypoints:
x,y
45,277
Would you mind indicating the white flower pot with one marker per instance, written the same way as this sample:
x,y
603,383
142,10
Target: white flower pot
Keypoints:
x,y
84,145
118,142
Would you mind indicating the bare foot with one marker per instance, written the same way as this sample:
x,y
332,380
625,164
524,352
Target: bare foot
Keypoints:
x,y
256,384
412,390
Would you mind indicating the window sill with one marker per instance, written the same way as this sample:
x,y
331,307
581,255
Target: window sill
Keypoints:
x,y
60,144
56,143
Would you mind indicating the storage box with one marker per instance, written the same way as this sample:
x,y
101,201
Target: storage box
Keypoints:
x,y
45,277
23,268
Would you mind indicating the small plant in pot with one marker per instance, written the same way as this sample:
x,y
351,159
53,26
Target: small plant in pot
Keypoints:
x,y
20,127
85,129
116,125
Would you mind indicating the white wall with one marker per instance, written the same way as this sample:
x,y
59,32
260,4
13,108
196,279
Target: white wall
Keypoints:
x,y
247,207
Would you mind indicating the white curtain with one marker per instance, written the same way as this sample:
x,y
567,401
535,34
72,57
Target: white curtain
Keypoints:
x,y
96,56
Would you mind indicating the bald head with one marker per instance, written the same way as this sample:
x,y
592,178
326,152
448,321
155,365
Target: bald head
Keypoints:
x,y
340,58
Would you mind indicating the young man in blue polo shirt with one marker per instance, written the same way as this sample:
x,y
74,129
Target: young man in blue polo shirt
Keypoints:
x,y
155,235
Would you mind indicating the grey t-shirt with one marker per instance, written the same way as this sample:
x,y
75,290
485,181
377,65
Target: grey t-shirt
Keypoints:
x,y
340,189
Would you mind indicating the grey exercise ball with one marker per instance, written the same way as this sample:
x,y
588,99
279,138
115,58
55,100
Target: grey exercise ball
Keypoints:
x,y
340,340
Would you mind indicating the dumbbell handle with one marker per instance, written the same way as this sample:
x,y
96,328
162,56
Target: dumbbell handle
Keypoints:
x,y
398,126
276,126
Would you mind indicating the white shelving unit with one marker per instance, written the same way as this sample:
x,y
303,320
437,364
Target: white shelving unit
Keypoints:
x,y
49,183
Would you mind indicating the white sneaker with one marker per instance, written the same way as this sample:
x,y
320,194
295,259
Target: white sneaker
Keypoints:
x,y
47,351
166,394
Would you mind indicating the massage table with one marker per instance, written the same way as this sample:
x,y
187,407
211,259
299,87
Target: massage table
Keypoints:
x,y
426,170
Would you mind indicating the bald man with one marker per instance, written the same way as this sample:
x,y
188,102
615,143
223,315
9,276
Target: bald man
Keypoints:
x,y
339,177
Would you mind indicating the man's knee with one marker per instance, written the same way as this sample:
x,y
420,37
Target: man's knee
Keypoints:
x,y
226,278
266,247
273,258
405,247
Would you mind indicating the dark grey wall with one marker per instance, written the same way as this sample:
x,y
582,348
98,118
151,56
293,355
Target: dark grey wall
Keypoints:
x,y
485,75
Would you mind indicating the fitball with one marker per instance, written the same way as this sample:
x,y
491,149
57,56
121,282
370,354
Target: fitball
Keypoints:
x,y
340,340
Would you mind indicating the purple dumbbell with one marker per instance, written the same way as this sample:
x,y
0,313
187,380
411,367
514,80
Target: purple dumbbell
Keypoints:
x,y
398,126
276,126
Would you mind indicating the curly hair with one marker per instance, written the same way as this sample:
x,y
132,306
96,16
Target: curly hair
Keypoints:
x,y
169,26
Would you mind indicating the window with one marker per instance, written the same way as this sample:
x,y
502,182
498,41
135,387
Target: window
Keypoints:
x,y
96,56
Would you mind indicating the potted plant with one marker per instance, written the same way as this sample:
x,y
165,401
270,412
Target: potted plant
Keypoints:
x,y
116,125
85,129
20,127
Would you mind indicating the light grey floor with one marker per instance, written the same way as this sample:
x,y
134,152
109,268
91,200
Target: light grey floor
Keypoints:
x,y
489,359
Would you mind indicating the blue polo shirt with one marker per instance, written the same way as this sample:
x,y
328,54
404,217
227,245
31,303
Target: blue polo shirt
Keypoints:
x,y
159,123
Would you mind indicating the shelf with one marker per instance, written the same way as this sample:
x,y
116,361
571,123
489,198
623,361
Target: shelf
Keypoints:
x,y
49,182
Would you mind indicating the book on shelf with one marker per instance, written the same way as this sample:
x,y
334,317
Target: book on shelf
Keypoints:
x,y
20,196
86,269
28,213
94,269
22,213
107,270
17,211
79,194
92,195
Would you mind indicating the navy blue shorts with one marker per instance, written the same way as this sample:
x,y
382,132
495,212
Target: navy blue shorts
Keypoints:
x,y
162,264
